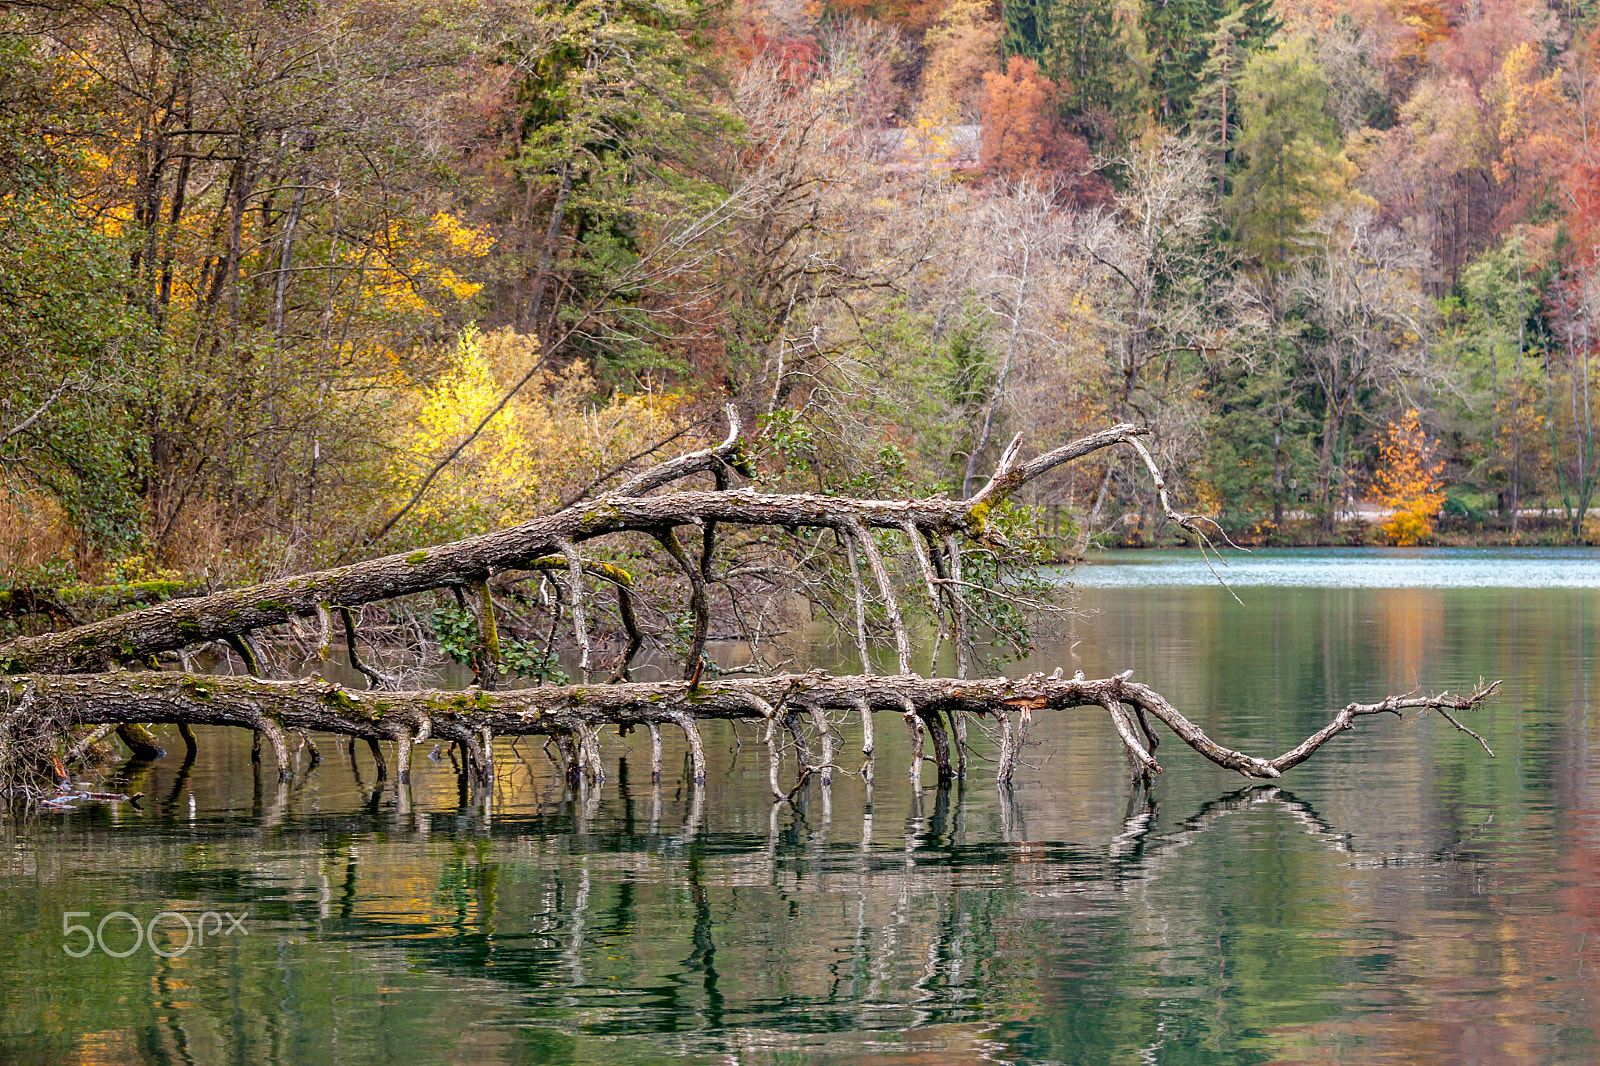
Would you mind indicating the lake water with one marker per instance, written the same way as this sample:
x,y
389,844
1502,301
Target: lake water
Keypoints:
x,y
1400,898
1352,568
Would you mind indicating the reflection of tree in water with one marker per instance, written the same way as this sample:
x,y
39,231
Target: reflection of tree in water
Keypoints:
x,y
557,930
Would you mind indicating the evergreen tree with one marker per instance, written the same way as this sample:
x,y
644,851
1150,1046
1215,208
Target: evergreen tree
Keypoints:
x,y
1286,154
613,126
1494,337
1214,113
1258,454
1180,34
1175,30
1087,55
1026,27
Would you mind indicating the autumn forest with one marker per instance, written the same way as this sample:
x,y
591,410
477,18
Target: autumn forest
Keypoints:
x,y
284,284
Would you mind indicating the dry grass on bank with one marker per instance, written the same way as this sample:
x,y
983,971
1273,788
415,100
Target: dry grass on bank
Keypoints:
x,y
35,536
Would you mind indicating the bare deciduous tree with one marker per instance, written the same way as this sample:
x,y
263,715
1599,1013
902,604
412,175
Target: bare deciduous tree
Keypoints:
x,y
1362,322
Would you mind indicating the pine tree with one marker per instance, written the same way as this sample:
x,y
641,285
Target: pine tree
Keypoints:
x,y
1180,35
613,122
1214,114
1286,155
1087,54
1176,31
1026,27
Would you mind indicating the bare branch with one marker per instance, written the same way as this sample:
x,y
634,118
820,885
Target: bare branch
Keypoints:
x,y
861,603
930,580
727,455
580,628
39,412
575,712
134,636
891,607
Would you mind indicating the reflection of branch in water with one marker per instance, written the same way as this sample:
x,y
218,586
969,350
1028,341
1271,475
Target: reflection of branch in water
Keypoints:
x,y
921,905
697,807
625,795
904,933
1013,828
1134,846
1313,823
1438,857
1136,823
572,955
702,959
180,781
268,813
589,803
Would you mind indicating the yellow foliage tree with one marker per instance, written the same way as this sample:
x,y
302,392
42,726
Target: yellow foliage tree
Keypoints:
x,y
550,441
962,48
1407,482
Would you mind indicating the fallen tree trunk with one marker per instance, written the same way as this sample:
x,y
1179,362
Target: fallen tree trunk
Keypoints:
x,y
575,713
136,636
57,684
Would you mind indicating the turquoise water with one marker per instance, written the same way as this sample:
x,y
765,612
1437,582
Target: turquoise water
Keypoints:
x,y
1350,568
1400,898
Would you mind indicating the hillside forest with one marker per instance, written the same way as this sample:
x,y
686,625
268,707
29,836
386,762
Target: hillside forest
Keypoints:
x,y
286,283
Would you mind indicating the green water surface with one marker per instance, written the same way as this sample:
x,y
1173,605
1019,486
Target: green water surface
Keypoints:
x,y
1400,898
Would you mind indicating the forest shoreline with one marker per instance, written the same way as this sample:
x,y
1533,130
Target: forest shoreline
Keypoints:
x,y
1549,530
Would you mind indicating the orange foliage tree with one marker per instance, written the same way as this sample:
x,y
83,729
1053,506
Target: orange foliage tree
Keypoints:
x,y
1580,178
1023,134
1019,119
1407,482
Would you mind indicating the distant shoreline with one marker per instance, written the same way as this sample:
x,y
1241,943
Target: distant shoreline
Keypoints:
x,y
1362,528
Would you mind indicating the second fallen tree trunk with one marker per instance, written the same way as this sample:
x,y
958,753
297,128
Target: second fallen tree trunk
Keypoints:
x,y
574,714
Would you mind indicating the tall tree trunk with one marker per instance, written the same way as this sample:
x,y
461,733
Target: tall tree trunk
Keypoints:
x,y
286,257
1325,454
541,279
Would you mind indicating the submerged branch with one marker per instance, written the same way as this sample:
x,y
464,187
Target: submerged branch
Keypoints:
x,y
56,692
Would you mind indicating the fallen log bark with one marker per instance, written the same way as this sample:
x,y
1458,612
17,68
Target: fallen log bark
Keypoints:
x,y
136,636
577,712
70,603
